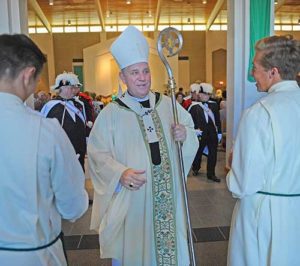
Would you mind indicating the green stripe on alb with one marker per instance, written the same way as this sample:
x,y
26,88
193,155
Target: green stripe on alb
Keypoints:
x,y
278,194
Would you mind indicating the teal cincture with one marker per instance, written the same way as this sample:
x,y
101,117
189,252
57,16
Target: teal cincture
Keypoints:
x,y
278,194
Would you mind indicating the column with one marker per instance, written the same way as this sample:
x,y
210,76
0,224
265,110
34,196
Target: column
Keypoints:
x,y
14,19
240,92
13,16
103,36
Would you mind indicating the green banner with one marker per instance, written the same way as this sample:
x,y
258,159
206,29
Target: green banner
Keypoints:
x,y
78,70
260,24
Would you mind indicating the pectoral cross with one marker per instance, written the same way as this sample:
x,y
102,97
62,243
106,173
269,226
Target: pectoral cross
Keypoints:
x,y
150,129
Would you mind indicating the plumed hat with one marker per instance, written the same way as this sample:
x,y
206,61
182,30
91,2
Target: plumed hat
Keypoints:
x,y
130,47
195,87
206,88
66,79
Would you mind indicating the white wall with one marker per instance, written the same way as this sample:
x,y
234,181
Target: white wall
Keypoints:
x,y
184,75
45,43
101,71
215,40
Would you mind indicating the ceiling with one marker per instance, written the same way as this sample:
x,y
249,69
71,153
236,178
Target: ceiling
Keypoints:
x,y
109,13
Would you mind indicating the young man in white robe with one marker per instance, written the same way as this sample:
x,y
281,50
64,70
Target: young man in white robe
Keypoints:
x,y
138,206
41,178
264,177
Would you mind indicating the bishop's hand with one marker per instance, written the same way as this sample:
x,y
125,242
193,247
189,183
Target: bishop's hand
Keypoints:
x,y
133,179
178,132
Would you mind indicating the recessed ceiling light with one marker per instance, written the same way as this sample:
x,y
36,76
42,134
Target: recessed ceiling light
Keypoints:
x,y
128,2
204,2
276,2
108,13
51,2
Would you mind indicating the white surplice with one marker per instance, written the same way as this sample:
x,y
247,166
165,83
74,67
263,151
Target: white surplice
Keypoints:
x,y
265,229
41,181
125,219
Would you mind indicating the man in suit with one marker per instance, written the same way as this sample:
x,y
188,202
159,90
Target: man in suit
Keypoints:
x,y
206,118
192,97
87,106
69,112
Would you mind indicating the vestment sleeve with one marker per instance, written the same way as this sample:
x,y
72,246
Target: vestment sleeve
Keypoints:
x,y
195,116
104,169
67,177
217,119
252,153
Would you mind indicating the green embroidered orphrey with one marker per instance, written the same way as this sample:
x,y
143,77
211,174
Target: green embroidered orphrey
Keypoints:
x,y
163,202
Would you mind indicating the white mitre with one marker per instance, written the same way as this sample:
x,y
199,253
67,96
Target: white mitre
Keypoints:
x,y
131,47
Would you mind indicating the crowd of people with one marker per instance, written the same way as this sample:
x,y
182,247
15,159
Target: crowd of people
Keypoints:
x,y
76,112
138,205
93,103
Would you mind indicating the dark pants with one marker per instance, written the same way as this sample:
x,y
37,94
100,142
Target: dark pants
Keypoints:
x,y
209,139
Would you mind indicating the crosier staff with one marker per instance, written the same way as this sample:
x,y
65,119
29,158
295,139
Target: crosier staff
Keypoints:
x,y
172,41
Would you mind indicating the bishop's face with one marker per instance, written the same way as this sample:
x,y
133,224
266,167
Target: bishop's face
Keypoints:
x,y
137,77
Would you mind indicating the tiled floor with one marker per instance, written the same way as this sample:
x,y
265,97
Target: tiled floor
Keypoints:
x,y
210,208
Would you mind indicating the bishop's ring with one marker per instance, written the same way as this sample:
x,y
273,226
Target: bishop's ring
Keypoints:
x,y
131,185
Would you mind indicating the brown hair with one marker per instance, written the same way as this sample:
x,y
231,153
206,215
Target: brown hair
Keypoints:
x,y
282,52
17,52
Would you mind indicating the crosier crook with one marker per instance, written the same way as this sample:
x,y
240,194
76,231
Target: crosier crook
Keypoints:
x,y
172,41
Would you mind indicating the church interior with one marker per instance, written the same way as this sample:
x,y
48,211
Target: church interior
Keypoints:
x,y
75,36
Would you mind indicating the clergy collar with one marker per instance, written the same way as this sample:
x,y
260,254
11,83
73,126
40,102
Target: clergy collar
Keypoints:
x,y
135,105
146,98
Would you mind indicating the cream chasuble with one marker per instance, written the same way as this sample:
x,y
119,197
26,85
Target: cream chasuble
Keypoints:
x,y
144,227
